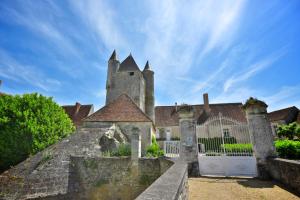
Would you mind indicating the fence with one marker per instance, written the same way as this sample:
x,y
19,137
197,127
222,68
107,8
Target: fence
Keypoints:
x,y
171,148
224,136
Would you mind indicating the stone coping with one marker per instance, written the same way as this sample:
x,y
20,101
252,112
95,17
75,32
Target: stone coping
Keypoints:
x,y
169,185
297,162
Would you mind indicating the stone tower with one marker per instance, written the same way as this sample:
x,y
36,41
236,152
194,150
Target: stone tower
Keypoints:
x,y
126,77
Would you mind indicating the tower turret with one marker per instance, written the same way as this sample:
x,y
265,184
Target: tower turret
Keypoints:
x,y
113,66
149,94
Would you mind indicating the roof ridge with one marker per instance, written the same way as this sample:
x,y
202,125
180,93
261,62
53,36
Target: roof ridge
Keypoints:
x,y
211,104
129,100
129,64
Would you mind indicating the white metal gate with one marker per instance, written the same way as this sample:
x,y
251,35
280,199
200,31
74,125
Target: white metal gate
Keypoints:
x,y
225,148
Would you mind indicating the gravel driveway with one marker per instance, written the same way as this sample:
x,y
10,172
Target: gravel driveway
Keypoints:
x,y
239,188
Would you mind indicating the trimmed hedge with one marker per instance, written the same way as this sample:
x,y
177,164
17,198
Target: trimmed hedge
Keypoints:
x,y
288,149
238,148
215,144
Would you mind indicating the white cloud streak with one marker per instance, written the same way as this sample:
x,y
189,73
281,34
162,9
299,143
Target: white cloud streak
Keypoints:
x,y
251,70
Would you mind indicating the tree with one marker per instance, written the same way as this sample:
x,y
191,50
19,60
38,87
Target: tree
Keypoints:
x,y
290,131
28,124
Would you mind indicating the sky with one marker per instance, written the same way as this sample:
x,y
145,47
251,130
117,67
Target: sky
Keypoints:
x,y
229,49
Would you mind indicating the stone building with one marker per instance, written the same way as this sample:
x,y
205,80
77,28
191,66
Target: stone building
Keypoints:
x,y
78,112
124,113
167,118
126,77
284,116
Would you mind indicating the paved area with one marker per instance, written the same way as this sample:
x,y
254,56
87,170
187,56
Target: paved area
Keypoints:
x,y
230,189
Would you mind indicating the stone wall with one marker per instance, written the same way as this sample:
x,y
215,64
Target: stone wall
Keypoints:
x,y
47,172
146,129
285,171
172,185
113,178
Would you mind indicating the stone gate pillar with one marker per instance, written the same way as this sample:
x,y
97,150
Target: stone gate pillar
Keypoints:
x,y
188,139
135,144
260,134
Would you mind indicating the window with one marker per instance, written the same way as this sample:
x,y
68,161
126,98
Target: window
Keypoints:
x,y
131,73
226,132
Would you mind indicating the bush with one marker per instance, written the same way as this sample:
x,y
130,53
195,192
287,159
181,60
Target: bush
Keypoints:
x,y
123,150
289,131
288,149
28,124
238,148
214,144
154,150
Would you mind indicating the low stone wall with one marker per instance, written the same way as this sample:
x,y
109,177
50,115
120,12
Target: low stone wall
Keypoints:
x,y
286,172
113,178
172,185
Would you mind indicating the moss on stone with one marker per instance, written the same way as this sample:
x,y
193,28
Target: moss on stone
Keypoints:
x,y
90,164
254,101
145,179
101,182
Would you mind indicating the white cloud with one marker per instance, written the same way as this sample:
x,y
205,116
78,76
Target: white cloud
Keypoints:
x,y
251,70
101,19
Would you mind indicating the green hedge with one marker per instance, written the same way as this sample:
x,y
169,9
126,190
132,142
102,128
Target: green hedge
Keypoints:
x,y
28,124
238,148
288,149
214,144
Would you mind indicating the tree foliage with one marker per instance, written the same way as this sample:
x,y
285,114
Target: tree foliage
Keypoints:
x,y
290,131
29,123
289,149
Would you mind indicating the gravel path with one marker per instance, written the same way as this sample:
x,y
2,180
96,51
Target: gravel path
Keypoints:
x,y
230,189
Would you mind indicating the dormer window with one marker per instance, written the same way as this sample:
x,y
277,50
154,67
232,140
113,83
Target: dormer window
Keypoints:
x,y
131,73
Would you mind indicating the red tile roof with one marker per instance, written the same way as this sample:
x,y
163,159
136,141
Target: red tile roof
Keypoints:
x,y
167,115
122,109
78,112
287,114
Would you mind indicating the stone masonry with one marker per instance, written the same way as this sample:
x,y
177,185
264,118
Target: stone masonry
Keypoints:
x,y
188,139
126,77
261,135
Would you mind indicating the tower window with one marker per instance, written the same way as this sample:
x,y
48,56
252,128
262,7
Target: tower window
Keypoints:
x,y
131,73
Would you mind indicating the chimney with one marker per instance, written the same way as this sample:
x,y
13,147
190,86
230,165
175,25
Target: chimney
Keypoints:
x,y
77,107
206,103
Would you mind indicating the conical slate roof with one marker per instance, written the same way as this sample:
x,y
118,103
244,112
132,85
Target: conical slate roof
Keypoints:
x,y
113,56
123,109
129,64
147,66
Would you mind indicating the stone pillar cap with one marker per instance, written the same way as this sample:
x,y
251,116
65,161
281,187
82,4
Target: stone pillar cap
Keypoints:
x,y
185,111
254,105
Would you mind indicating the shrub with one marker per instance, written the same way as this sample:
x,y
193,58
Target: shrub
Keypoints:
x,y
288,149
122,150
238,148
28,124
214,144
289,131
154,150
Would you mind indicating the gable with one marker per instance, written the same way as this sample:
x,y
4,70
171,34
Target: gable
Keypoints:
x,y
122,109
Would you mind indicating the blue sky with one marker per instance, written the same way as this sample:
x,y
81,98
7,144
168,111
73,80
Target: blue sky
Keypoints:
x,y
230,49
